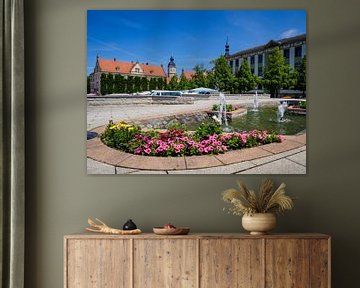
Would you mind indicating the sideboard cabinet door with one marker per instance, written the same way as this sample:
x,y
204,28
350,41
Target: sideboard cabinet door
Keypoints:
x,y
197,261
297,263
165,263
231,263
98,263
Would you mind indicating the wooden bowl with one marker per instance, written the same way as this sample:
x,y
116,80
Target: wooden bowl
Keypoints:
x,y
171,231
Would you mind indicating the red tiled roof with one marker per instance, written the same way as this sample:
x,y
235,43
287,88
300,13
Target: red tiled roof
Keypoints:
x,y
189,74
114,66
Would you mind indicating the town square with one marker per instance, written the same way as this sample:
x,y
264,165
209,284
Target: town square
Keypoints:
x,y
205,97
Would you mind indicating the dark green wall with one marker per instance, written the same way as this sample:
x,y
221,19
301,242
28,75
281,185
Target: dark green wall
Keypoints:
x,y
60,196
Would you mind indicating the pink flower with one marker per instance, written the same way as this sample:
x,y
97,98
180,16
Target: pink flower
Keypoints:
x,y
138,150
147,150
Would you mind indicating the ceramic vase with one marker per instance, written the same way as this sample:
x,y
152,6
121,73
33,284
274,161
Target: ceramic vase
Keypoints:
x,y
259,223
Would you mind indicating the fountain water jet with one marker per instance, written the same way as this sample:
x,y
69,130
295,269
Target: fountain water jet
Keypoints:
x,y
222,113
281,110
256,102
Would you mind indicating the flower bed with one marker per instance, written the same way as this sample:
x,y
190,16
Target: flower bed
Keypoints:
x,y
176,141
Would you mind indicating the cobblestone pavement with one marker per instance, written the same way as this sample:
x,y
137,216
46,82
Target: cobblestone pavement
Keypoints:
x,y
290,162
98,115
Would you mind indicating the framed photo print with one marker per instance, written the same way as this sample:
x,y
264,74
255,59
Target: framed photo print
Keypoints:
x,y
196,91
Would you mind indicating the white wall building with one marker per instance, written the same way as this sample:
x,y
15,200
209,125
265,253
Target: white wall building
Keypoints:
x,y
294,49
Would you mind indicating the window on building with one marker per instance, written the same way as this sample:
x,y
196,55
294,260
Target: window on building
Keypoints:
x,y
137,70
287,55
260,70
260,58
252,60
237,63
231,63
298,51
297,63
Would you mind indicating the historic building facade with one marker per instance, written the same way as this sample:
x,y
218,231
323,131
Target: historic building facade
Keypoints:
x,y
113,66
293,48
171,68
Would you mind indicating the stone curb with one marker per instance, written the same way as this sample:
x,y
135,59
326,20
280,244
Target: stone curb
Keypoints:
x,y
98,151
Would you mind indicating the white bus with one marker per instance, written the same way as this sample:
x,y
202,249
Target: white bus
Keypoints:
x,y
165,93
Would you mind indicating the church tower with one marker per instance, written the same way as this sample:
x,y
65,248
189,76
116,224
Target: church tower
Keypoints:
x,y
171,68
227,48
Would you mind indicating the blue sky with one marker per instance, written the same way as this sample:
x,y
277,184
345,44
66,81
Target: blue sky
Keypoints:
x,y
190,36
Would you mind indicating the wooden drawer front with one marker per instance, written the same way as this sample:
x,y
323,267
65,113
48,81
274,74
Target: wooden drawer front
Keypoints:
x,y
287,263
165,263
297,263
98,263
231,263
320,263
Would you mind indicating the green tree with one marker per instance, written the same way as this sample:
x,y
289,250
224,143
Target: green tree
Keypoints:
x,y
130,84
173,84
161,83
122,85
199,77
153,84
137,84
223,77
144,84
277,74
183,83
291,80
245,80
103,84
301,76
119,84
110,83
210,79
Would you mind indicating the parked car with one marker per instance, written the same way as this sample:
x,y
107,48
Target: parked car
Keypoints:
x,y
165,93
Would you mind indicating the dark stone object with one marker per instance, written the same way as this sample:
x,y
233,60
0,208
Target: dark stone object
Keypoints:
x,y
91,135
129,225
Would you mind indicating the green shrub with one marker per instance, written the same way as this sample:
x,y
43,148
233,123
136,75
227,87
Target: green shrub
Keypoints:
x,y
207,128
229,107
151,133
272,137
302,104
119,135
176,125
234,143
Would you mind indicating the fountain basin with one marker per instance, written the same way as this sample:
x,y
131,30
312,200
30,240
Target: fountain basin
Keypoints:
x,y
296,110
230,115
266,119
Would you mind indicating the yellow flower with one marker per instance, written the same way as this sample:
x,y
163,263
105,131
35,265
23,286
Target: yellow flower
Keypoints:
x,y
122,125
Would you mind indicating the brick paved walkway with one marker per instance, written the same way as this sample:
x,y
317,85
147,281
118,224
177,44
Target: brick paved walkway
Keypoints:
x,y
288,157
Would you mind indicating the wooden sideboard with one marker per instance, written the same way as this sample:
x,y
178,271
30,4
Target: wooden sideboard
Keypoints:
x,y
197,260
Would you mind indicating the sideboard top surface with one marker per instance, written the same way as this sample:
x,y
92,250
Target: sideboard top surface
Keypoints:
x,y
87,235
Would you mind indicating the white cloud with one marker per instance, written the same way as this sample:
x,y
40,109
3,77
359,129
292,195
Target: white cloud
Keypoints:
x,y
289,33
111,47
130,24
